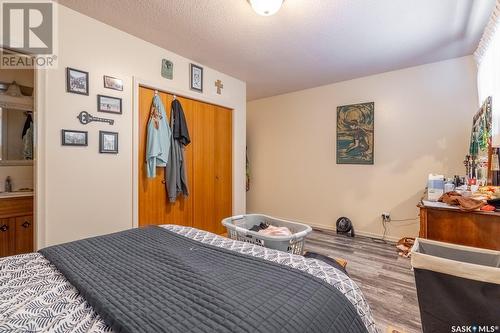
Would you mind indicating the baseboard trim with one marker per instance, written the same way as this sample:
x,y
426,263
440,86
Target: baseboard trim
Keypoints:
x,y
358,233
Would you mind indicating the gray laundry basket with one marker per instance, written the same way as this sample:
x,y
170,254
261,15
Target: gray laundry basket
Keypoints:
x,y
457,286
238,229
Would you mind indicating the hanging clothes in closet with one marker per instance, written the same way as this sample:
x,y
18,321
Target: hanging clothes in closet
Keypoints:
x,y
159,136
175,171
27,137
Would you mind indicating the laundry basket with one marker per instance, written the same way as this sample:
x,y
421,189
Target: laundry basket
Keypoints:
x,y
238,228
457,286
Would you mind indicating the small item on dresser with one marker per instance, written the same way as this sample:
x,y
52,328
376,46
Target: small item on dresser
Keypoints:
x,y
495,167
458,181
449,186
495,203
450,198
456,199
435,187
8,184
488,208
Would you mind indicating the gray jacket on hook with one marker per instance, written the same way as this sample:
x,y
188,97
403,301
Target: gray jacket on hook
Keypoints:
x,y
175,170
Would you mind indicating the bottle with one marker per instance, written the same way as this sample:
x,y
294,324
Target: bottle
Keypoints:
x,y
495,167
8,184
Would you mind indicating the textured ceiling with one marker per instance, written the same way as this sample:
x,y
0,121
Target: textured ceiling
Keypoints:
x,y
308,43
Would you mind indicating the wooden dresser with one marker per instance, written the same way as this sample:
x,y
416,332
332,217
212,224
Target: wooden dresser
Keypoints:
x,y
449,224
16,225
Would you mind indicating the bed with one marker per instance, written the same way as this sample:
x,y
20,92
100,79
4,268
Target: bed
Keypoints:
x,y
35,296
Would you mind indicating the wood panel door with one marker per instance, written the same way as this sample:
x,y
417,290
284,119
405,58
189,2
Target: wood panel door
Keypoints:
x,y
24,234
204,167
223,167
154,207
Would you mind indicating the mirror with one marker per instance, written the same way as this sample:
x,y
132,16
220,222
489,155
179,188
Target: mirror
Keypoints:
x,y
16,133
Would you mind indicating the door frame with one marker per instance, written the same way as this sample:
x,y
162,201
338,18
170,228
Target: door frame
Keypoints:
x,y
169,89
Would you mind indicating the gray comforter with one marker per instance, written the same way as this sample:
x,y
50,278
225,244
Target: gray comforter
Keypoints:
x,y
36,297
154,280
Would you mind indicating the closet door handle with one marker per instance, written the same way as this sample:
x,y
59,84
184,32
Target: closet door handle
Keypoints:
x,y
216,177
163,181
26,224
4,228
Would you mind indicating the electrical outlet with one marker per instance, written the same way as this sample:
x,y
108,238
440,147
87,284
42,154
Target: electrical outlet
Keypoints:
x,y
386,217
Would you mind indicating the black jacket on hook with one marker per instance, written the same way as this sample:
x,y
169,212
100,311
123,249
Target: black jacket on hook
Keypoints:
x,y
175,171
180,130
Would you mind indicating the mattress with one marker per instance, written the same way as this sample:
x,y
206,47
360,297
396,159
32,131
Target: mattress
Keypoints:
x,y
35,296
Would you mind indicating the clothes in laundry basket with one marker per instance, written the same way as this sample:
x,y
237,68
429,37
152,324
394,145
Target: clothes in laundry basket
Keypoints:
x,y
276,231
259,227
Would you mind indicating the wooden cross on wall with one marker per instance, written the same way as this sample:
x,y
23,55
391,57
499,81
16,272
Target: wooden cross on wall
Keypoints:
x,y
219,86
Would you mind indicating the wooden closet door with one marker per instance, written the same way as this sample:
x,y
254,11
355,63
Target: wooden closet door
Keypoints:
x,y
223,166
209,168
154,207
204,167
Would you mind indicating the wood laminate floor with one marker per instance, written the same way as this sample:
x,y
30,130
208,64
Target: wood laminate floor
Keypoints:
x,y
384,277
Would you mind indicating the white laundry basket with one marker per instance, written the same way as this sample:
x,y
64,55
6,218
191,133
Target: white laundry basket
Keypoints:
x,y
238,229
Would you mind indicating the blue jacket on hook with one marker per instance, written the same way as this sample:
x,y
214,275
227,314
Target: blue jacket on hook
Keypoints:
x,y
158,140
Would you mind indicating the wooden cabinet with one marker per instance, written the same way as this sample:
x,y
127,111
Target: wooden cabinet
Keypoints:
x,y
16,225
477,228
24,234
209,168
7,235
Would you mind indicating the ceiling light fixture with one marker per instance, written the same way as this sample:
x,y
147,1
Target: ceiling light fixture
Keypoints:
x,y
266,7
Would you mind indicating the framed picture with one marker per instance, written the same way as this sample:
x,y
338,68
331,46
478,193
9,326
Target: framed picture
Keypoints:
x,y
355,133
196,80
109,104
108,142
74,138
113,83
77,81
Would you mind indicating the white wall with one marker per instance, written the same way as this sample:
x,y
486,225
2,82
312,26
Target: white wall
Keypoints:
x,y
422,124
83,193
